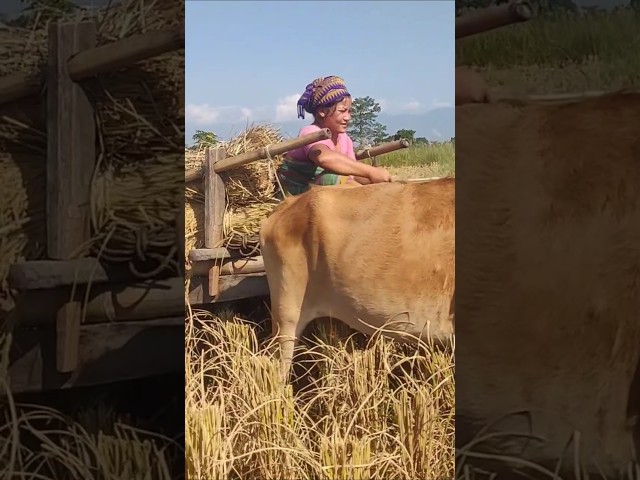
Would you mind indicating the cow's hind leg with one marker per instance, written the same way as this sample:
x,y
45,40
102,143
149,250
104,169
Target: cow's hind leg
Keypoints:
x,y
289,318
287,328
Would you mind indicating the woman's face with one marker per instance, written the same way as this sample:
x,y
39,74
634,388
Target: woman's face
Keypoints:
x,y
337,120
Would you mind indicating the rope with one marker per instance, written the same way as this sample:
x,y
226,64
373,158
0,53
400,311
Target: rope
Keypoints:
x,y
273,170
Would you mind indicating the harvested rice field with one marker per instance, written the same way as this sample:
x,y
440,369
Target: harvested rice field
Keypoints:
x,y
365,409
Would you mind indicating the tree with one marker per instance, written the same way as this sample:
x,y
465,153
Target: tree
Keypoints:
x,y
379,134
405,135
204,139
363,127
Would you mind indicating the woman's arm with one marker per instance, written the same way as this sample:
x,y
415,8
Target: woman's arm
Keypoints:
x,y
338,163
362,180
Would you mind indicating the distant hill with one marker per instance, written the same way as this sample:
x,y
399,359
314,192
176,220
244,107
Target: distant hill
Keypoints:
x,y
438,121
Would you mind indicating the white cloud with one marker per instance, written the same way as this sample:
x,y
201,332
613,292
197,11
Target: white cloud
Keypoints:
x,y
436,133
393,107
411,106
205,114
287,108
440,104
202,114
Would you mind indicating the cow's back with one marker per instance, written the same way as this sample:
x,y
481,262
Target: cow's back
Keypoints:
x,y
548,271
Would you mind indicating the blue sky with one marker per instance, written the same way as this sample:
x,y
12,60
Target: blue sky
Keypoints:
x,y
252,60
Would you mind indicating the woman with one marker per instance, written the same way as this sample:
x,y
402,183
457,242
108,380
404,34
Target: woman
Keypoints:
x,y
331,161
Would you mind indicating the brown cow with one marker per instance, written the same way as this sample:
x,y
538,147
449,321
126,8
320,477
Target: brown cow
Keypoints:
x,y
548,279
470,87
378,254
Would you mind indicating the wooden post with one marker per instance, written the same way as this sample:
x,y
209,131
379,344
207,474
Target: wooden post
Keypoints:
x,y
180,235
70,162
214,203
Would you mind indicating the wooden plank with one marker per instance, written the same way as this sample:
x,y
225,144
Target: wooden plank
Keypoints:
x,y
277,149
94,61
204,254
142,300
49,274
139,301
37,274
232,287
70,162
125,52
215,203
492,17
230,266
107,353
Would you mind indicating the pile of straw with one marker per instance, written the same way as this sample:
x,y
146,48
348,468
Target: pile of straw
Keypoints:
x,y
137,185
250,192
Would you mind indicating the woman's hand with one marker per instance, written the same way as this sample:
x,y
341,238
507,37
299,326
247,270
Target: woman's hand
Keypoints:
x,y
379,175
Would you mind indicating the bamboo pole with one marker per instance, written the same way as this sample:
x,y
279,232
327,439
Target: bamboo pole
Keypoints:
x,y
124,52
382,149
492,17
94,61
243,159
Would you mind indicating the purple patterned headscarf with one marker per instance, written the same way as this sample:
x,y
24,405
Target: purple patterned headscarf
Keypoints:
x,y
322,92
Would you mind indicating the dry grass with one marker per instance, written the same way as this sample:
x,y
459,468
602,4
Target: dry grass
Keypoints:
x,y
37,442
250,192
421,161
366,411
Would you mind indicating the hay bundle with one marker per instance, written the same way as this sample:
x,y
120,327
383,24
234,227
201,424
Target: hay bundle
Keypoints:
x,y
250,191
137,186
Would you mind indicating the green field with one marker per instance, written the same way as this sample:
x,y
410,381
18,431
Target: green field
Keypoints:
x,y
419,161
559,53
